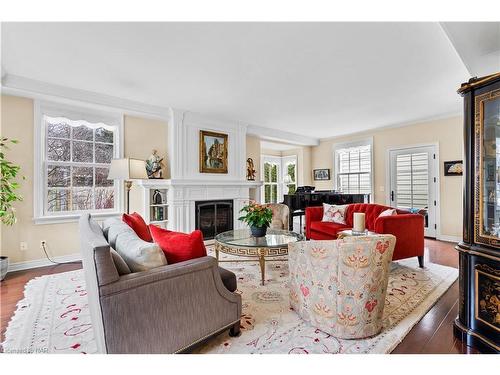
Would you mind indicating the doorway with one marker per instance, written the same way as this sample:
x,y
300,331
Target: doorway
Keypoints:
x,y
413,174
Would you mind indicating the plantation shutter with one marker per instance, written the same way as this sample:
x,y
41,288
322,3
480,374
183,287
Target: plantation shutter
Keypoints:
x,y
354,170
412,180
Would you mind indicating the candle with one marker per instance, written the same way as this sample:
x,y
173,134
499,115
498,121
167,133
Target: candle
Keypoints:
x,y
359,222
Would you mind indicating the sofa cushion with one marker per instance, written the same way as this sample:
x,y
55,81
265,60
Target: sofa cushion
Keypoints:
x,y
138,254
179,247
228,279
328,228
371,211
137,223
120,264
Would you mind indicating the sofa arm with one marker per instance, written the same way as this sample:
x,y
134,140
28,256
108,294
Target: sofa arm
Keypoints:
x,y
312,214
167,309
409,232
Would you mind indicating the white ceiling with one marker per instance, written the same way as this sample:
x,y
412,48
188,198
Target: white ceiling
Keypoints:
x,y
478,44
314,79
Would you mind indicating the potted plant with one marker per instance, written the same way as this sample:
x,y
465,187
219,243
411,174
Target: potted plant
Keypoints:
x,y
8,194
258,217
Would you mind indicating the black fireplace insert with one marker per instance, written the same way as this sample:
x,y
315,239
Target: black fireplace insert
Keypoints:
x,y
214,217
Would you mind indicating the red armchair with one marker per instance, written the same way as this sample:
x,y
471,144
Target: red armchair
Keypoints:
x,y
407,228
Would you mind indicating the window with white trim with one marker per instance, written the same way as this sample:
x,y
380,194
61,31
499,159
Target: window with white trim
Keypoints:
x,y
75,151
353,172
271,171
279,176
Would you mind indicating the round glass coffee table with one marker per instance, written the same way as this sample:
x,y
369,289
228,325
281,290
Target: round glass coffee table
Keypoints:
x,y
241,243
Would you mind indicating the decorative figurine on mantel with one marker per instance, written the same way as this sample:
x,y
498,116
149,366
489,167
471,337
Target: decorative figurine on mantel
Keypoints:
x,y
154,166
250,170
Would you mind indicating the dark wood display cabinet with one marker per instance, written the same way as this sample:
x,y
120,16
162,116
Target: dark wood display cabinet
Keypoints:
x,y
478,321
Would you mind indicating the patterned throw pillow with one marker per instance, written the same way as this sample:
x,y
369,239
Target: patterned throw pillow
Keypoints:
x,y
333,213
388,212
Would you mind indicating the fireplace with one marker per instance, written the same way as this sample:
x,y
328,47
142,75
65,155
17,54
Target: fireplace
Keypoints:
x,y
214,217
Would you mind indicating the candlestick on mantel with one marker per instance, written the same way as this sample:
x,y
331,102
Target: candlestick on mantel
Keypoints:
x,y
359,222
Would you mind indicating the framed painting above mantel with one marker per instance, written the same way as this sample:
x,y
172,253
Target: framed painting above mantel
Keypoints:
x,y
213,152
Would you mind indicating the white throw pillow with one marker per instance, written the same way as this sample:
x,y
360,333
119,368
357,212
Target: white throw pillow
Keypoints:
x,y
333,213
388,212
138,254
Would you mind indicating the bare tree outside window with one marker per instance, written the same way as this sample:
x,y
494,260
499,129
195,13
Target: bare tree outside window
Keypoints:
x,y
77,161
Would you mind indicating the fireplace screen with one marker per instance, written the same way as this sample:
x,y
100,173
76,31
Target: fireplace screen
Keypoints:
x,y
214,217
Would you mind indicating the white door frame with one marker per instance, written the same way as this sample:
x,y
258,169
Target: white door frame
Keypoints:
x,y
437,172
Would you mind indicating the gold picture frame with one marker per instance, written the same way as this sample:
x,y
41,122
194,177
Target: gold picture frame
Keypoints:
x,y
213,152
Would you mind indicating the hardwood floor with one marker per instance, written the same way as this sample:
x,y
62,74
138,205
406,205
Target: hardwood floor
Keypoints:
x,y
432,335
12,289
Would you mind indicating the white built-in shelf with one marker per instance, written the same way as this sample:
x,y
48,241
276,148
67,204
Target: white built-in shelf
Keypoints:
x,y
155,213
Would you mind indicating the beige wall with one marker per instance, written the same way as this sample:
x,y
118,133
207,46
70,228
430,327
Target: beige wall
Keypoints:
x,y
447,132
141,136
303,164
266,151
304,154
253,151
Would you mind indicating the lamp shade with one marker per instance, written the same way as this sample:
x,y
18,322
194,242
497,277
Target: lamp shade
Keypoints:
x,y
287,180
127,169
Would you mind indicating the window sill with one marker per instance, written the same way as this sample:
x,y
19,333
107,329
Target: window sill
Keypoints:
x,y
41,220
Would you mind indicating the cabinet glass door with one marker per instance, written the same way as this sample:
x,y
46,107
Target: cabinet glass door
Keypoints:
x,y
489,168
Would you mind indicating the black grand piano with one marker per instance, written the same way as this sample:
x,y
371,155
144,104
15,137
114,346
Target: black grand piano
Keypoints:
x,y
305,196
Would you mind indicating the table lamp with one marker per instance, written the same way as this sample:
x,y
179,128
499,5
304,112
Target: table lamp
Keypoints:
x,y
127,169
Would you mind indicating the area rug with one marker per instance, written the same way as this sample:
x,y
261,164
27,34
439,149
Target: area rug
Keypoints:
x,y
54,317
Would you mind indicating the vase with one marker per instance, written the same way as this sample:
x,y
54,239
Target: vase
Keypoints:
x,y
4,267
258,231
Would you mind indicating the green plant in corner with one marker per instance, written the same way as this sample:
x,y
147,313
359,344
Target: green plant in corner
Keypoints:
x,y
8,184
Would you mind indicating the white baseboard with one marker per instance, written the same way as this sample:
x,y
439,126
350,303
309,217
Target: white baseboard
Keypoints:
x,y
43,262
443,237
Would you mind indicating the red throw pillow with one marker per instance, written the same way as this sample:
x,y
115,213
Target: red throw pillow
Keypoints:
x,y
137,223
178,246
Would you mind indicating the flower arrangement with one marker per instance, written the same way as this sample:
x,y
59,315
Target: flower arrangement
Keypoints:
x,y
258,217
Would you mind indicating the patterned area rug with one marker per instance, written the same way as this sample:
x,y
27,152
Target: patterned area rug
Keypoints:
x,y
54,318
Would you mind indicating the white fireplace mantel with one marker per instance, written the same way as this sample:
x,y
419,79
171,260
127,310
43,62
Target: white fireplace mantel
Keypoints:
x,y
183,194
188,185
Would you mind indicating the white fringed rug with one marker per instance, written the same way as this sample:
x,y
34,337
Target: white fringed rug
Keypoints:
x,y
54,318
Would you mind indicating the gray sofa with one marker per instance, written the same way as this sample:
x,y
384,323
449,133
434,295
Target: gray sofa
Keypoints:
x,y
164,310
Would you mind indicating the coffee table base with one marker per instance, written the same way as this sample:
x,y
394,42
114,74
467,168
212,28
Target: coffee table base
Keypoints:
x,y
253,252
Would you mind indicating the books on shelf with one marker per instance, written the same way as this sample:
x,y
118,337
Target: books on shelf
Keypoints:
x,y
158,213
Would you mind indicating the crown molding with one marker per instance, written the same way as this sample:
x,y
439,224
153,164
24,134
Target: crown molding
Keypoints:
x,y
30,88
22,86
394,126
281,136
